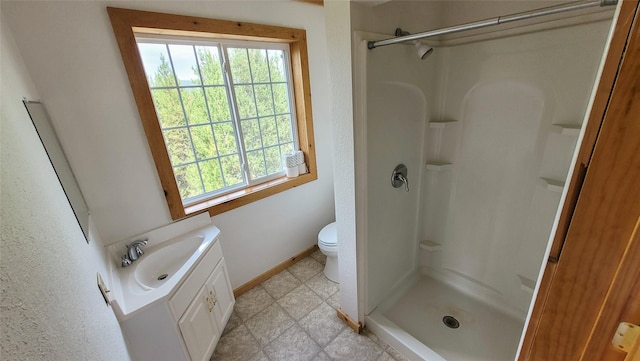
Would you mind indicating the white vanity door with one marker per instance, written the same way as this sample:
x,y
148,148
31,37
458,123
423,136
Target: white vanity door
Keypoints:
x,y
220,286
199,327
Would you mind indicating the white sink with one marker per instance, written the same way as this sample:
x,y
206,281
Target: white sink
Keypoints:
x,y
157,266
172,252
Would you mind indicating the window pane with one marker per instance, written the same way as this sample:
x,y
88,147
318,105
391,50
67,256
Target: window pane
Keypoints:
x,y
246,101
264,100
210,65
232,169
276,65
184,64
286,148
259,68
155,60
203,142
218,104
281,98
284,128
256,164
179,146
274,162
268,130
188,181
225,138
211,175
251,134
239,65
168,107
194,106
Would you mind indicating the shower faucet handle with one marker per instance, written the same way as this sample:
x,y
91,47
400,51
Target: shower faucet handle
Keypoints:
x,y
399,177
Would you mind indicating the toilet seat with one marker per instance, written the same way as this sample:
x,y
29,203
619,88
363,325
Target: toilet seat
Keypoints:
x,y
328,236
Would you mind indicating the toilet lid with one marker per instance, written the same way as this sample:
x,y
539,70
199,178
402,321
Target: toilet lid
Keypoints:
x,y
328,235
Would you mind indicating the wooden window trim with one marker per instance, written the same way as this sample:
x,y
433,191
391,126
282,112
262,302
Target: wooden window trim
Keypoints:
x,y
126,23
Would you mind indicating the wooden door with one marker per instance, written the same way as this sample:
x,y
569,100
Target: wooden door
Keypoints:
x,y
591,282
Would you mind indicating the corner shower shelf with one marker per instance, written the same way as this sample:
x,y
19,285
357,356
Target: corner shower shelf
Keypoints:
x,y
567,129
442,124
553,185
438,166
430,246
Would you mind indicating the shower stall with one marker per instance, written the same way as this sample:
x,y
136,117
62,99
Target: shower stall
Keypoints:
x,y
486,126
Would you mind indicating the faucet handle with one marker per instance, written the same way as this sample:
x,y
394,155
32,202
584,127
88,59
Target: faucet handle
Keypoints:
x,y
126,262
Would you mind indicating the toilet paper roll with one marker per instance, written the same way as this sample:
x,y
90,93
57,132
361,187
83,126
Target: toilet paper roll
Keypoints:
x,y
299,157
292,172
291,160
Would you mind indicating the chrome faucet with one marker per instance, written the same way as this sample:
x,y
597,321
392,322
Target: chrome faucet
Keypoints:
x,y
134,251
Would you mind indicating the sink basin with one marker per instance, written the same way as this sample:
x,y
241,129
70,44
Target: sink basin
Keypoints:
x,y
158,266
172,252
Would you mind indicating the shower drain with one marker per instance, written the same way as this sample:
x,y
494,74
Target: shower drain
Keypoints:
x,y
450,322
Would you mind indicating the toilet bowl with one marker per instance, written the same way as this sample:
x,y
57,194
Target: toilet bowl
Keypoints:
x,y
328,244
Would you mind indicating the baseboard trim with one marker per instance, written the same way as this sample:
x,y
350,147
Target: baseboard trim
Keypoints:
x,y
353,324
274,271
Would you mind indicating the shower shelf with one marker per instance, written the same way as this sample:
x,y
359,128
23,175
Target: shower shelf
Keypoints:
x,y
438,166
553,185
567,129
442,124
430,246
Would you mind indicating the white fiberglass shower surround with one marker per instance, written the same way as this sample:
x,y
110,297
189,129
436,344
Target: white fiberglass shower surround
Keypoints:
x,y
487,129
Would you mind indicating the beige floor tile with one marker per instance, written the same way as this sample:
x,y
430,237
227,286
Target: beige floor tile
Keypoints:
x,y
260,356
269,323
237,345
234,321
321,285
349,346
292,317
306,268
281,284
300,301
322,356
334,300
252,302
322,324
293,345
385,357
319,256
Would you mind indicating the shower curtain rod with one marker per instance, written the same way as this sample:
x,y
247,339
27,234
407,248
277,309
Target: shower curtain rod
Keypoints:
x,y
493,21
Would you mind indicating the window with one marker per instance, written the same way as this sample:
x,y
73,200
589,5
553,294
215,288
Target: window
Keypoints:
x,y
221,103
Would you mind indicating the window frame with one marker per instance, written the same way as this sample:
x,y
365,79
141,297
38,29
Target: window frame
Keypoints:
x,y
127,24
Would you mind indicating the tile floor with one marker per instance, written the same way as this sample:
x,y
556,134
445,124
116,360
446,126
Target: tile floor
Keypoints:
x,y
292,317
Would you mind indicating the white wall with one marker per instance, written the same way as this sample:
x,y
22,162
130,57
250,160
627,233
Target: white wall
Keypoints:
x,y
71,53
339,48
51,306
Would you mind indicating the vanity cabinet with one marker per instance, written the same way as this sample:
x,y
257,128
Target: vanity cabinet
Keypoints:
x,y
186,324
204,319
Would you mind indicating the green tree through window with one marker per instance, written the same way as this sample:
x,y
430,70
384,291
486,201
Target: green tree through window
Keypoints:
x,y
222,130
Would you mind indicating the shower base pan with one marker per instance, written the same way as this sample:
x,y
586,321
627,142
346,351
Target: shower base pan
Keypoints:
x,y
421,323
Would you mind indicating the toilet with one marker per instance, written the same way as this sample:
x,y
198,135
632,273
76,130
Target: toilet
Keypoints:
x,y
328,244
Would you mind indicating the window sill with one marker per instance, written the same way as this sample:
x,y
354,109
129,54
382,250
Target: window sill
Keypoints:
x,y
247,195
